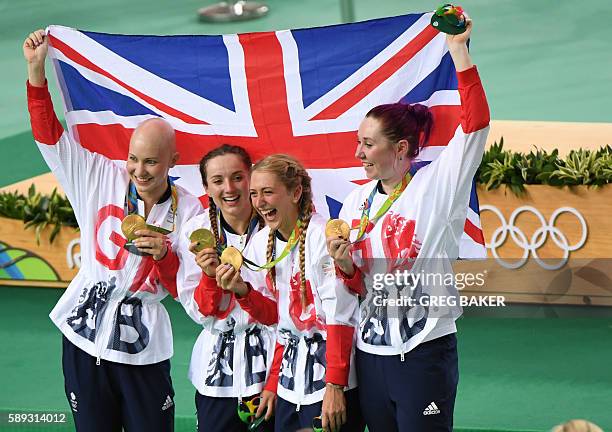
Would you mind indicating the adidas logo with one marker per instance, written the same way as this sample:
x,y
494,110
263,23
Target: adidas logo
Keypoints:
x,y
169,403
431,409
73,402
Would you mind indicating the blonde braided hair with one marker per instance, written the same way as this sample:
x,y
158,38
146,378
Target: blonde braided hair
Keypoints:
x,y
269,251
292,174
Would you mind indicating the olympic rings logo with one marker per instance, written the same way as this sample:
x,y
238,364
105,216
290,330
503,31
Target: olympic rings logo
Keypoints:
x,y
538,238
73,259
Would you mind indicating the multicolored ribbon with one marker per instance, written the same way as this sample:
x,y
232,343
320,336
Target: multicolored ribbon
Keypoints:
x,y
365,214
131,203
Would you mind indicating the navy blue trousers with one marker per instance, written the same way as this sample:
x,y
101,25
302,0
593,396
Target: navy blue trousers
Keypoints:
x,y
414,395
112,396
287,419
220,414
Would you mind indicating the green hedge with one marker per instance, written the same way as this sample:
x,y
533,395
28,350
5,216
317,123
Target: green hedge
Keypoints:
x,y
38,211
515,170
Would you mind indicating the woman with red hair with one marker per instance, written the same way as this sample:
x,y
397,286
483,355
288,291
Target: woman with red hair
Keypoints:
x,y
409,222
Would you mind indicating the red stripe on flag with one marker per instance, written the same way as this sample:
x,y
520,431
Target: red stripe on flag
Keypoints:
x,y
474,232
78,58
446,120
361,182
315,151
113,142
263,62
381,74
204,200
267,90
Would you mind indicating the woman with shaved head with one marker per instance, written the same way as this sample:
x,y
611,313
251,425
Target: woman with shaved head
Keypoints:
x,y
117,337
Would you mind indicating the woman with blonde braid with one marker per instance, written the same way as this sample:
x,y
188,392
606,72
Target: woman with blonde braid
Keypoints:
x,y
233,354
312,370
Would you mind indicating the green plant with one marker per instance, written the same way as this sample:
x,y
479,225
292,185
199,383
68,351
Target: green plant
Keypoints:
x,y
515,169
537,168
38,211
499,167
584,167
11,205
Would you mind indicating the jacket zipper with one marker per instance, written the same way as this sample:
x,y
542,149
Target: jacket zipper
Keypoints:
x,y
239,350
300,366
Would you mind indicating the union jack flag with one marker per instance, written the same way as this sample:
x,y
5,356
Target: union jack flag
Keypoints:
x,y
301,92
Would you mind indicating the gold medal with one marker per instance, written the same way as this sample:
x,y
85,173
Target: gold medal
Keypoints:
x,y
337,228
232,256
160,230
204,238
132,223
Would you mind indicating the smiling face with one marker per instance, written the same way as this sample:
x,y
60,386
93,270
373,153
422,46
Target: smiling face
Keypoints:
x,y
275,203
227,179
376,153
150,156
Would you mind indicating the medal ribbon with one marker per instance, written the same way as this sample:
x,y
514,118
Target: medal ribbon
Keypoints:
x,y
131,202
291,244
222,237
365,214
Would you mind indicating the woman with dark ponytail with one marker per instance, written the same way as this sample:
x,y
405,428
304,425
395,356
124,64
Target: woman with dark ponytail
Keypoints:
x,y
409,222
312,370
233,354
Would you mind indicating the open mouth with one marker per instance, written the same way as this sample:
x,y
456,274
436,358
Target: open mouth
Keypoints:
x,y
142,181
268,214
231,199
367,164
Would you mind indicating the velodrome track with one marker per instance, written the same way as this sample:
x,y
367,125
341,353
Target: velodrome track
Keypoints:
x,y
547,72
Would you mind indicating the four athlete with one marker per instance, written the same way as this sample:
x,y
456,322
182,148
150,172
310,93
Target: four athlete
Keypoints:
x,y
290,323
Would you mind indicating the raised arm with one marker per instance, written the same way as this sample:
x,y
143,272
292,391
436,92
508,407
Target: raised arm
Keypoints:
x,y
35,52
78,170
457,46
451,174
45,125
